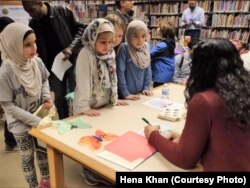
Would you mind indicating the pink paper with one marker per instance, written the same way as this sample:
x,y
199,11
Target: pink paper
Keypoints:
x,y
131,146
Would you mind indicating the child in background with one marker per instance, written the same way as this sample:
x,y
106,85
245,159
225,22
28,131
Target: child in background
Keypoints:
x,y
120,29
24,87
182,66
162,55
243,49
133,63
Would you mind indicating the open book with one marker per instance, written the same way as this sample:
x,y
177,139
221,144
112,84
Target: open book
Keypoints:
x,y
129,150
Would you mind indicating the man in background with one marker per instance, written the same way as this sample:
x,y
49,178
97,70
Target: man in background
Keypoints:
x,y
193,18
124,10
56,31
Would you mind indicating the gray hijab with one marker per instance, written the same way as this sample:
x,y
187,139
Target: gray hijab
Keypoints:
x,y
140,57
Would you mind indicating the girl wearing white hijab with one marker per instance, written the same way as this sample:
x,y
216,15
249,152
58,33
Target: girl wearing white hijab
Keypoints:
x,y
24,87
96,80
133,63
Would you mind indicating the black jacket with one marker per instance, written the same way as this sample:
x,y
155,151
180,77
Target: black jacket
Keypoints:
x,y
68,30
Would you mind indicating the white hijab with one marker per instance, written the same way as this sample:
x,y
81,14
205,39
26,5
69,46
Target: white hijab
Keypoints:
x,y
89,37
11,47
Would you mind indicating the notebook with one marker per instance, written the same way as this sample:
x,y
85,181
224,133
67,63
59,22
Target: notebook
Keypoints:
x,y
129,150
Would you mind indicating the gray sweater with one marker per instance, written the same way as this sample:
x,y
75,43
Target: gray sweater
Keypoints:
x,y
17,104
182,72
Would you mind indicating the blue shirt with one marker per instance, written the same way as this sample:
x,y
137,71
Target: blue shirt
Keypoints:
x,y
162,65
131,79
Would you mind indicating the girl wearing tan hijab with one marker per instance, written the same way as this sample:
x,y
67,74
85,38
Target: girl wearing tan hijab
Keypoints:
x,y
133,63
24,87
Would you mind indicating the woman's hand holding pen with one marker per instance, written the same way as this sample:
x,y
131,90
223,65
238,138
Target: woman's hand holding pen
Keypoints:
x,y
170,135
149,129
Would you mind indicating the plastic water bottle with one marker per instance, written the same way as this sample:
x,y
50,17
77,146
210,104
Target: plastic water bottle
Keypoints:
x,y
165,91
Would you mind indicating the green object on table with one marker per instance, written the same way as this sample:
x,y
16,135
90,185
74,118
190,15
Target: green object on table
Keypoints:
x,y
65,126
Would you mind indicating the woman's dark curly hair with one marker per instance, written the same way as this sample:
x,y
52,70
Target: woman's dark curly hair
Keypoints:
x,y
217,64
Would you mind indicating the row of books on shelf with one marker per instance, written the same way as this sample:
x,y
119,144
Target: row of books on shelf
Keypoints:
x,y
241,35
96,2
140,11
155,20
206,5
232,5
171,8
230,20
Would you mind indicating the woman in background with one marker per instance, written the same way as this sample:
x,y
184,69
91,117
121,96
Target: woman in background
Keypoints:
x,y
217,126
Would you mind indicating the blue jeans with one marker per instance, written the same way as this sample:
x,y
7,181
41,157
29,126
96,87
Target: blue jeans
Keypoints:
x,y
60,89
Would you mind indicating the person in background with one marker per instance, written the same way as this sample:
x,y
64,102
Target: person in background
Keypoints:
x,y
219,87
245,56
182,66
120,29
10,142
96,66
123,7
192,19
162,55
243,49
24,87
57,31
133,63
71,6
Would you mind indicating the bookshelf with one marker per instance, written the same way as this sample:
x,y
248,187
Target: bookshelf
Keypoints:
x,y
160,10
224,18
230,19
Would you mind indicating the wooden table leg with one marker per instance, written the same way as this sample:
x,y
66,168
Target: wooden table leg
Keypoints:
x,y
55,159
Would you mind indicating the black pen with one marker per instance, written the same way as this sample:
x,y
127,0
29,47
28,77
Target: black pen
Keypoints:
x,y
146,121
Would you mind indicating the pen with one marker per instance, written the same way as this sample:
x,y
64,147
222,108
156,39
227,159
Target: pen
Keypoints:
x,y
146,121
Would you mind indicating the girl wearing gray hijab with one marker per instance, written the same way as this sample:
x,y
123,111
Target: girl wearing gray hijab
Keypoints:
x,y
133,63
24,87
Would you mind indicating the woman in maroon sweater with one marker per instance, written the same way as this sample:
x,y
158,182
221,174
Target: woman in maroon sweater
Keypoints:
x,y
217,128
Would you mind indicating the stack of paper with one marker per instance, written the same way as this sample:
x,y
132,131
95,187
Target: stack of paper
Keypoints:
x,y
129,150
